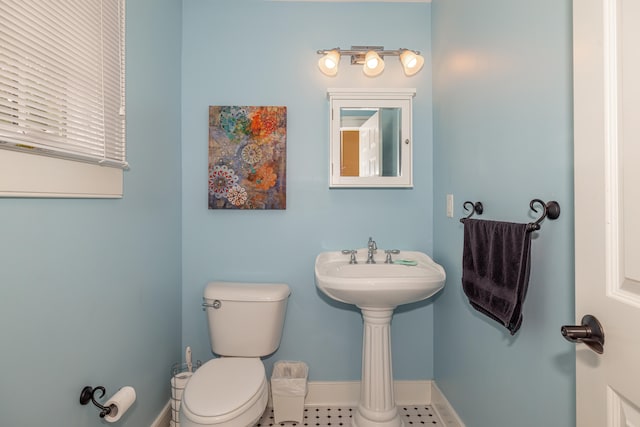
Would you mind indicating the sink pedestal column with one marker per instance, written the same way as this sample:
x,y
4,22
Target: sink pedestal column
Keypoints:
x,y
377,407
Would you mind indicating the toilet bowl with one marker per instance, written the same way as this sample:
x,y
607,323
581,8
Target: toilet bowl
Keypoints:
x,y
225,392
245,323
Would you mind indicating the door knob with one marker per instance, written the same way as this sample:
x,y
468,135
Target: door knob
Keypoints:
x,y
590,333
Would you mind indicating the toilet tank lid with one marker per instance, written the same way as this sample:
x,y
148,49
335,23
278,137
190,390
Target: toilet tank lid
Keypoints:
x,y
238,291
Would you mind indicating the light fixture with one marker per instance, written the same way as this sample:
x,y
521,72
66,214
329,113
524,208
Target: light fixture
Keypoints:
x,y
329,62
411,62
371,58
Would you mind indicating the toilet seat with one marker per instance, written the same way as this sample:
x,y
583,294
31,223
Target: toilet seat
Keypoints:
x,y
226,390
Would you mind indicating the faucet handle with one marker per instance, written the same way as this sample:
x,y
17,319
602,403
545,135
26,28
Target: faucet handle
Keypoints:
x,y
353,253
389,252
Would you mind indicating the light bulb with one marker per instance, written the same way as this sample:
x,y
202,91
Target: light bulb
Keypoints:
x,y
329,63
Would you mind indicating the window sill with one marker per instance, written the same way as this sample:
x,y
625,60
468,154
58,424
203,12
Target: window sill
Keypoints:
x,y
28,175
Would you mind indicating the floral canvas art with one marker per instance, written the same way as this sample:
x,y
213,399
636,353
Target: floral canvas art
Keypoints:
x,y
247,157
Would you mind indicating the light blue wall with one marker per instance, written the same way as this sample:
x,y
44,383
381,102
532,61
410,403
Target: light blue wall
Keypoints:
x,y
254,52
502,132
90,289
503,136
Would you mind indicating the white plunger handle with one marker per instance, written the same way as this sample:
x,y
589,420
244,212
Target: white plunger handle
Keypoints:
x,y
188,359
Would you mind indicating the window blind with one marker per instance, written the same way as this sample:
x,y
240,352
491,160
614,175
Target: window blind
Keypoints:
x,y
62,79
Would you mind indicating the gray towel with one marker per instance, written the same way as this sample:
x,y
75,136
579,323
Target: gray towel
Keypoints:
x,y
495,269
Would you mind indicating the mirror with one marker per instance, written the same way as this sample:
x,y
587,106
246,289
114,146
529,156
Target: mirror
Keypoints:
x,y
371,142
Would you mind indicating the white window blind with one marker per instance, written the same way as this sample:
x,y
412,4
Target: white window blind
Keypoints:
x,y
62,87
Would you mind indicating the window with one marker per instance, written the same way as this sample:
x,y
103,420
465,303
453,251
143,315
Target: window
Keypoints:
x,y
62,118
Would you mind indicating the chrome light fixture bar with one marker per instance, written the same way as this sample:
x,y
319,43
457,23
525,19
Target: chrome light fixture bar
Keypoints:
x,y
371,58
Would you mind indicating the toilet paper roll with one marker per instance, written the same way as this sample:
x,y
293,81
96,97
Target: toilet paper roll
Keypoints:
x,y
178,382
175,405
122,401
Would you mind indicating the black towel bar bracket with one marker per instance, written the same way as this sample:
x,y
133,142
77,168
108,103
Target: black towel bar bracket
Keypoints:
x,y
550,210
476,208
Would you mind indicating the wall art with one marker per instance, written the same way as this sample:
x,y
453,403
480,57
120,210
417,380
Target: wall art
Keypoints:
x,y
247,157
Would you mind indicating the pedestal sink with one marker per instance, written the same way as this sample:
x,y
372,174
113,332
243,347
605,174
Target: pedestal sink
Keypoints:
x,y
377,289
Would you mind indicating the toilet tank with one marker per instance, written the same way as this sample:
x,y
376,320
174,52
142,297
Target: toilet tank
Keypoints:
x,y
245,319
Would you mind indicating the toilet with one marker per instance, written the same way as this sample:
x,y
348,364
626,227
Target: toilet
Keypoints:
x,y
245,324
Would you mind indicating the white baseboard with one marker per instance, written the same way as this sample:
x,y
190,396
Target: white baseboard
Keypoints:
x,y
163,417
347,393
444,409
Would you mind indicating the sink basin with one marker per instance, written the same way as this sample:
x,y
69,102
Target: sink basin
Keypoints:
x,y
378,285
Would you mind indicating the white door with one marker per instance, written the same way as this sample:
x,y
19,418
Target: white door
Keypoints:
x,y
607,207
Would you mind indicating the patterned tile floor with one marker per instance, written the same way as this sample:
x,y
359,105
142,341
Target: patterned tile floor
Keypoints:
x,y
413,415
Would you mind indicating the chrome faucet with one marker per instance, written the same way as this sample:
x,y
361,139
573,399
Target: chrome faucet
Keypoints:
x,y
388,259
373,247
353,253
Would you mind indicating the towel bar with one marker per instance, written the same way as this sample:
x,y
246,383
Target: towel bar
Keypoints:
x,y
550,210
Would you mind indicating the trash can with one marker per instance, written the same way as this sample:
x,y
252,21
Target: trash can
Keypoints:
x,y
288,390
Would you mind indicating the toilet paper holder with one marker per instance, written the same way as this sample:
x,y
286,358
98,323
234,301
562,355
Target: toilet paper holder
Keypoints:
x,y
87,395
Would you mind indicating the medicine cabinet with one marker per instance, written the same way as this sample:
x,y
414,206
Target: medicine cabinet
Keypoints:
x,y
371,141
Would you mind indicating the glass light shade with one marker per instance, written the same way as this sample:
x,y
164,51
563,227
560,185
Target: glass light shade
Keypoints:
x,y
411,62
328,64
373,64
